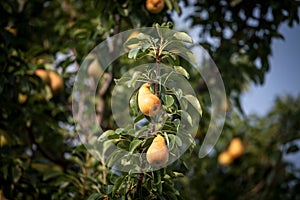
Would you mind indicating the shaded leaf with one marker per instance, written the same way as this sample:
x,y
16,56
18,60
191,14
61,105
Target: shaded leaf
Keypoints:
x,y
95,196
134,144
107,189
51,174
117,184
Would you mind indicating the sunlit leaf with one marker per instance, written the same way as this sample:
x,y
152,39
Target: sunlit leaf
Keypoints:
x,y
187,117
182,71
183,37
195,103
169,100
133,52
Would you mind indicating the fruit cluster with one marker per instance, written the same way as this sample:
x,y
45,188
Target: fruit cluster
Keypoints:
x,y
150,105
50,78
235,150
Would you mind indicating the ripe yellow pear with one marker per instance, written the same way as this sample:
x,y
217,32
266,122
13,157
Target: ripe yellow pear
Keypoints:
x,y
149,104
236,148
56,82
225,158
43,74
11,30
22,98
155,6
158,153
3,138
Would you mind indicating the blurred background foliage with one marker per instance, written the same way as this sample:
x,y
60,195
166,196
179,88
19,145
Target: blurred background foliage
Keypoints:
x,y
41,154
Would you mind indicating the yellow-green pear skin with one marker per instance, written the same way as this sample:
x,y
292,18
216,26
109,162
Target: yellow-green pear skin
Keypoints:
x,y
158,153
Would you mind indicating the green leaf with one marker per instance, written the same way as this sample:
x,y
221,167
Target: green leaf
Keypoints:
x,y
131,41
178,93
176,123
182,71
124,144
113,157
134,144
184,104
143,36
138,118
195,103
183,37
136,75
90,178
191,57
169,4
186,116
107,145
178,141
148,142
51,174
119,131
133,52
172,139
171,195
141,131
105,135
142,54
96,196
169,100
107,189
164,32
117,184
145,45
157,178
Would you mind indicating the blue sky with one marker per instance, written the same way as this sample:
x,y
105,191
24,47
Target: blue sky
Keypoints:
x,y
283,77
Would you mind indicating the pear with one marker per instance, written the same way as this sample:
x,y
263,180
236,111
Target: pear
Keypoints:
x,y
4,139
22,98
149,104
158,153
236,148
155,6
56,82
42,74
225,158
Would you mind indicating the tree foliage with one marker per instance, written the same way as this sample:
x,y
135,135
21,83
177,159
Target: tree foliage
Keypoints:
x,y
42,156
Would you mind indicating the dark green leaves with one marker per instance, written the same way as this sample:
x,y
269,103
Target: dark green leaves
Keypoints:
x,y
134,144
